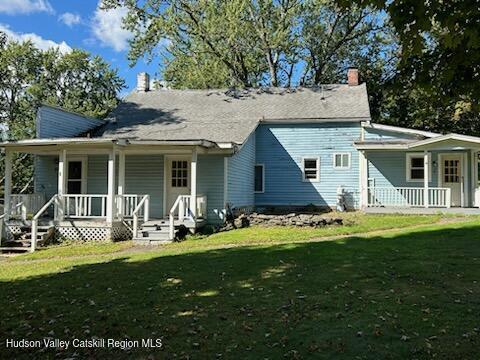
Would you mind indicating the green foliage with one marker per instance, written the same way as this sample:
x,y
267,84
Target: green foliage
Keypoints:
x,y
207,44
437,84
29,77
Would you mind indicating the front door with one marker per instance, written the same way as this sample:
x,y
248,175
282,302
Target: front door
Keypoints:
x,y
177,178
452,176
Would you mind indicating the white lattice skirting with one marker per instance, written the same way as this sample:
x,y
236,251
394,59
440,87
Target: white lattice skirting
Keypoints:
x,y
92,231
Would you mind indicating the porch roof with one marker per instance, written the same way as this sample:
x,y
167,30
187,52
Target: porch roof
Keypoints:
x,y
37,145
443,142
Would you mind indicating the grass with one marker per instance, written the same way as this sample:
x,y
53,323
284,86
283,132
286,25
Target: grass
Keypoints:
x,y
405,293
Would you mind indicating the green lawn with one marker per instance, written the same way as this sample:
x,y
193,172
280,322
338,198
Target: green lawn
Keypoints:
x,y
409,292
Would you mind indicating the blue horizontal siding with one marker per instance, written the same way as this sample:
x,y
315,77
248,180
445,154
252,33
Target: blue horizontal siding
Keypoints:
x,y
144,175
281,148
210,174
56,123
46,178
241,169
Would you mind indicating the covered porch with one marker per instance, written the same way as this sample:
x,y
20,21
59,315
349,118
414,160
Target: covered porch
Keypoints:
x,y
439,173
116,189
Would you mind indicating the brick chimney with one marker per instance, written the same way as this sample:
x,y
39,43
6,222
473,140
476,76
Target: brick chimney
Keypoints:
x,y
352,77
143,82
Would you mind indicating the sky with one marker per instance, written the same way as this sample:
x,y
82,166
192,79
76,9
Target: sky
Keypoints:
x,y
71,24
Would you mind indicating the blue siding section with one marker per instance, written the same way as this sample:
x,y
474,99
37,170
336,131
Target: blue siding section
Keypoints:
x,y
97,175
281,148
55,123
388,169
144,175
241,172
376,134
210,183
46,178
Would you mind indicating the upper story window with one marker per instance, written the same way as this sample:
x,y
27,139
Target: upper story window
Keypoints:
x,y
259,178
341,161
415,167
311,168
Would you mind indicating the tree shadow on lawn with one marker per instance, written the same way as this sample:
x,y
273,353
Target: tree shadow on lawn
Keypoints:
x,y
408,296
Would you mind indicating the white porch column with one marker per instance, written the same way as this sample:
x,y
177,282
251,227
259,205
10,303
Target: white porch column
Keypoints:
x,y
193,185
8,183
111,187
62,175
426,172
121,181
363,181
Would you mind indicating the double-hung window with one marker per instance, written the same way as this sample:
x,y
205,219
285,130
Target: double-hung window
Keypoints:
x,y
311,169
416,167
341,161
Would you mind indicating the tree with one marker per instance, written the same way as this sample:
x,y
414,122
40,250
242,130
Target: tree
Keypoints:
x,y
439,70
248,43
30,77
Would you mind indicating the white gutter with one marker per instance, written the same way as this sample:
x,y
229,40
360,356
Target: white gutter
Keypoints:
x,y
401,130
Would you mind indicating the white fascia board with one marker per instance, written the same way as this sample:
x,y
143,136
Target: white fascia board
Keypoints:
x,y
401,130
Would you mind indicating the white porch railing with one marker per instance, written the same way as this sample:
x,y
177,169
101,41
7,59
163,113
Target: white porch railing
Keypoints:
x,y
87,206
23,204
182,209
127,203
408,197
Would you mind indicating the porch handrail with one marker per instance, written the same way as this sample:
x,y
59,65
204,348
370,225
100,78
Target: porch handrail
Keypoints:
x,y
33,243
171,217
183,206
145,204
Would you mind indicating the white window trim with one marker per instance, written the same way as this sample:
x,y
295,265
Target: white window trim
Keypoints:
x,y
349,155
408,166
84,161
317,159
263,179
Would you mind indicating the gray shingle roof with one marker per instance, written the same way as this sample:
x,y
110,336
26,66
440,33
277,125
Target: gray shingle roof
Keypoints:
x,y
229,115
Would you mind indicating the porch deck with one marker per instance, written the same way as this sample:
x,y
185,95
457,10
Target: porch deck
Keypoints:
x,y
421,210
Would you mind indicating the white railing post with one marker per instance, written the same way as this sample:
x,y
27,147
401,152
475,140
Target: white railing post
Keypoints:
x,y
193,186
121,184
146,209
62,173
181,209
111,187
449,198
363,181
7,189
33,242
135,225
426,172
